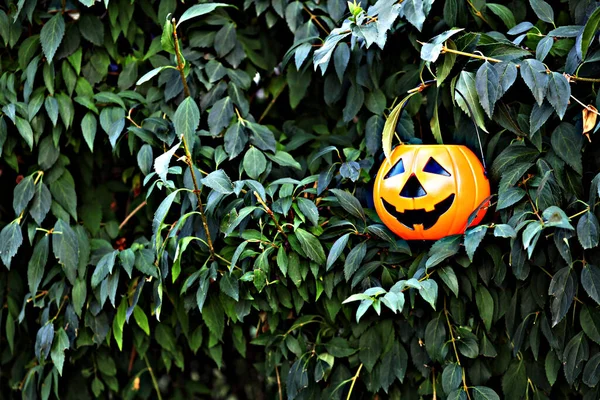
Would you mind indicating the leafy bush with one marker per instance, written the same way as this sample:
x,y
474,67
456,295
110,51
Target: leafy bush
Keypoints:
x,y
192,211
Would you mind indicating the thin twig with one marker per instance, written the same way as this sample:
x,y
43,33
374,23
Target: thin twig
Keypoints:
x,y
278,383
584,106
180,66
154,381
354,378
451,333
131,214
446,49
315,18
264,114
188,154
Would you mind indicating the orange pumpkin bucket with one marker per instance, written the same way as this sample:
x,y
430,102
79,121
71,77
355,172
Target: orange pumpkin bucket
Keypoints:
x,y
426,192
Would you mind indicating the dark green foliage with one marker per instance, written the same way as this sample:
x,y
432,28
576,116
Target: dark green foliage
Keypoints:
x,y
188,208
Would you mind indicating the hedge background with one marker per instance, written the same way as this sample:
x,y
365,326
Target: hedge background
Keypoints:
x,y
188,200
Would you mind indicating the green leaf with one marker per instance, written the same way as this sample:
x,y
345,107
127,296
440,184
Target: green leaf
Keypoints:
x,y
554,216
504,13
43,341
92,29
311,246
284,159
414,12
89,126
199,10
435,338
61,343
104,267
37,264
230,286
429,291
534,74
590,279
589,32
235,140
590,323
514,381
25,131
218,181
576,352
354,102
552,365
588,231
213,317
254,163
349,203
487,83
390,125
473,238
261,137
10,241
339,347
63,192
449,278
220,115
591,373
322,55
79,294
451,377
485,304
309,209
41,203
432,49
559,93
336,250
47,153
161,163
141,319
23,194
51,35
467,86
484,393
443,249
225,39
354,260
370,348
543,10
186,120
505,231
341,57
562,289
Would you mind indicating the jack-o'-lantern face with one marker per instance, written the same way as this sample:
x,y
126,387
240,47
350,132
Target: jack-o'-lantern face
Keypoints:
x,y
429,191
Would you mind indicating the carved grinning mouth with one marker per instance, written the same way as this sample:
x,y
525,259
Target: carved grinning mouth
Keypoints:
x,y
410,218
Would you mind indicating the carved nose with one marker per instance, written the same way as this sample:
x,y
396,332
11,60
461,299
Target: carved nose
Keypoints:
x,y
413,188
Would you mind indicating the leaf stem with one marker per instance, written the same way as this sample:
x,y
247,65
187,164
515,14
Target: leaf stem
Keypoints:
x,y
154,381
180,65
268,211
451,333
582,78
584,106
354,378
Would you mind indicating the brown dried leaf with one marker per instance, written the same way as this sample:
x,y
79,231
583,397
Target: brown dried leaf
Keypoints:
x,y
590,114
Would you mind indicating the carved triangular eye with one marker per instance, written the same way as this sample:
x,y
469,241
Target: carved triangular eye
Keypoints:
x,y
396,169
433,167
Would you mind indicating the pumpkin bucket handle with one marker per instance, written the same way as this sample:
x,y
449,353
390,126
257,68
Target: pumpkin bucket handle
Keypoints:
x,y
476,129
389,128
